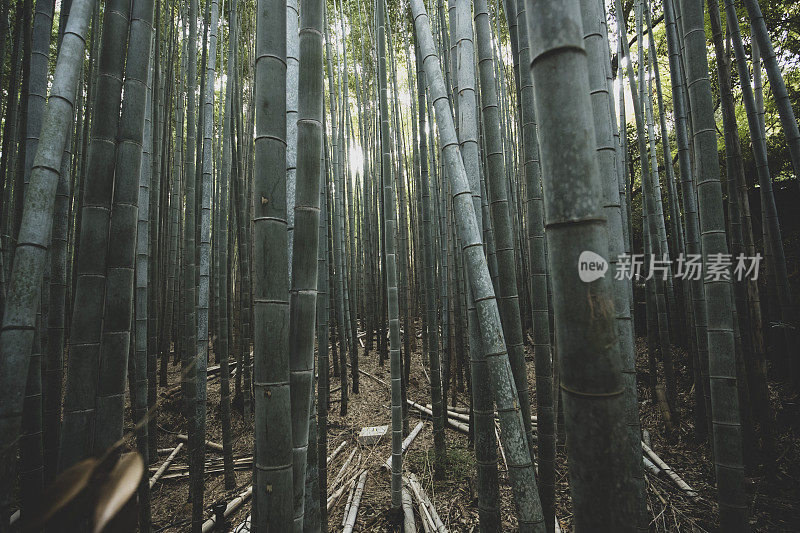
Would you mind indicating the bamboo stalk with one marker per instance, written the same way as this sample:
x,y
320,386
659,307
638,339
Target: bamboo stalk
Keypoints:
x,y
387,464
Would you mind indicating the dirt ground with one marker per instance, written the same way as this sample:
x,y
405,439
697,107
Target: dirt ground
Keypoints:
x,y
776,499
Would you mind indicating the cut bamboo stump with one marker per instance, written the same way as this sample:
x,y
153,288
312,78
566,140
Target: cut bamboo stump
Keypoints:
x,y
165,464
353,511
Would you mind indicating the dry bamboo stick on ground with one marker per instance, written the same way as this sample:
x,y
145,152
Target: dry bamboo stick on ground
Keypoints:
x,y
207,472
648,464
165,464
209,464
211,445
463,428
333,498
462,413
500,445
427,521
379,380
212,373
419,493
332,456
343,468
353,511
672,475
234,504
347,505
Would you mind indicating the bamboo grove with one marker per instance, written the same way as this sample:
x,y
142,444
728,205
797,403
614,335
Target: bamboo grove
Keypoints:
x,y
274,193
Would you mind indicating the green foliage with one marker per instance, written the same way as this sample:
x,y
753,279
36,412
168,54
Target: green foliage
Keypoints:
x,y
459,461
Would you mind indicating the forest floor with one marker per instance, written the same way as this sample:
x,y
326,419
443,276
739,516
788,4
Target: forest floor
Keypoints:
x,y
776,500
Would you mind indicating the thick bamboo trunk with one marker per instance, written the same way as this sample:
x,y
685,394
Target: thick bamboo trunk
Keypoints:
x,y
502,385
273,425
21,302
724,401
303,295
589,353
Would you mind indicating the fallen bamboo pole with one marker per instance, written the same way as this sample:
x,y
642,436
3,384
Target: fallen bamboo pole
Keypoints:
x,y
419,493
458,426
332,456
233,505
462,413
347,505
387,464
333,498
427,521
375,378
212,463
672,475
649,465
353,513
409,524
212,373
165,464
212,445
206,471
343,469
